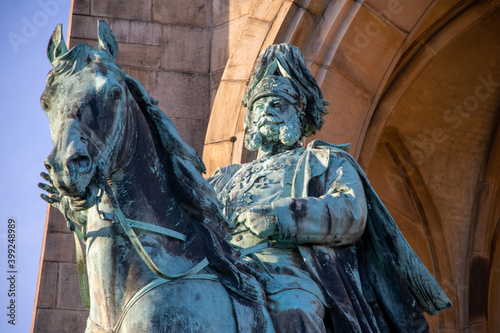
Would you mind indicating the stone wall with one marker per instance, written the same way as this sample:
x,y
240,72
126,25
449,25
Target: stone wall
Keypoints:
x,y
58,305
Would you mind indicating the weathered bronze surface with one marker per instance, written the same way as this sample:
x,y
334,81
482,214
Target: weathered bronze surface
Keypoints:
x,y
156,255
328,256
338,261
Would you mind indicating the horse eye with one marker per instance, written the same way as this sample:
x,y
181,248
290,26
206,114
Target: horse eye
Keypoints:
x,y
116,93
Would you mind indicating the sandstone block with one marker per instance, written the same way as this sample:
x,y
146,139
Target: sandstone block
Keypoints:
x,y
220,47
141,75
136,32
302,35
186,49
317,7
284,17
224,11
59,247
345,118
57,222
215,78
81,7
134,10
224,39
244,53
135,55
60,321
84,27
68,291
192,131
216,155
402,13
188,12
182,95
267,10
224,117
48,285
353,60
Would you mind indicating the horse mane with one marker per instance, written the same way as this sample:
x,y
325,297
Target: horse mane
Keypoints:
x,y
196,196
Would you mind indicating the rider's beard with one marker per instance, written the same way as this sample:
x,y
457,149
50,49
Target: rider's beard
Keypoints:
x,y
253,139
290,132
269,133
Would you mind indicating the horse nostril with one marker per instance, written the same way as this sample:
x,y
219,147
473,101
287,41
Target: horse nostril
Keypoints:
x,y
80,163
48,166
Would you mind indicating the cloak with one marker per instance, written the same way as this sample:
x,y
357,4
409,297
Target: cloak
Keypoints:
x,y
378,284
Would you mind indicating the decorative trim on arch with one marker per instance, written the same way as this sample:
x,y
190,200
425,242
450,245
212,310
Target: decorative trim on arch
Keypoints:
x,y
484,250
224,138
398,80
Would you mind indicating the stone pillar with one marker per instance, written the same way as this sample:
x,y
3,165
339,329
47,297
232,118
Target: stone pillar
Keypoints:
x,y
58,304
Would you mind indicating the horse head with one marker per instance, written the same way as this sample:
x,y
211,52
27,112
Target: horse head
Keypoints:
x,y
85,100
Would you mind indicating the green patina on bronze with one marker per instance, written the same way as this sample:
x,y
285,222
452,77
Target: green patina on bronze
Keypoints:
x,y
327,256
149,220
338,261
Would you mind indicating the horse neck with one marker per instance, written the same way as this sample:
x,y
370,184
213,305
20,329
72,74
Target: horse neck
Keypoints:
x,y
144,193
141,185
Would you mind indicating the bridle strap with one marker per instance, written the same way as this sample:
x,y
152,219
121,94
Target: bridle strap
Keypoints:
x,y
157,229
127,225
145,256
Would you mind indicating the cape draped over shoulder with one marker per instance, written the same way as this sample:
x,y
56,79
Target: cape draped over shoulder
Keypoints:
x,y
378,284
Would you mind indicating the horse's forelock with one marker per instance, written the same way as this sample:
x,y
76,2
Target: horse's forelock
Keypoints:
x,y
78,58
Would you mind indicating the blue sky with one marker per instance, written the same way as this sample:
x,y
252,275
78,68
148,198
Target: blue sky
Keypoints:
x,y
25,28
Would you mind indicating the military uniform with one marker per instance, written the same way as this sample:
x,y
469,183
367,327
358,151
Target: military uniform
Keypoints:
x,y
323,202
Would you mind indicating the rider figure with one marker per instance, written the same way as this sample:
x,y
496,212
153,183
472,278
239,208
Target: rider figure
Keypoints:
x,y
308,204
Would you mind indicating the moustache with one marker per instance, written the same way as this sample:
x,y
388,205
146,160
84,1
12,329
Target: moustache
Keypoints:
x,y
268,120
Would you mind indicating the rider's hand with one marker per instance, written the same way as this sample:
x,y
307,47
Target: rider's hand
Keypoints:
x,y
261,220
61,203
54,197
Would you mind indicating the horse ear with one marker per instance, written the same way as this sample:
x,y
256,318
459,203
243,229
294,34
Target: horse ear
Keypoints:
x,y
107,39
57,45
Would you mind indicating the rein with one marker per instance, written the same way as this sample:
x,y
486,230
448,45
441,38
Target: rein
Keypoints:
x,y
128,225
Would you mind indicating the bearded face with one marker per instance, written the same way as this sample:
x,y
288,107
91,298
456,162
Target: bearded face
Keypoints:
x,y
274,120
